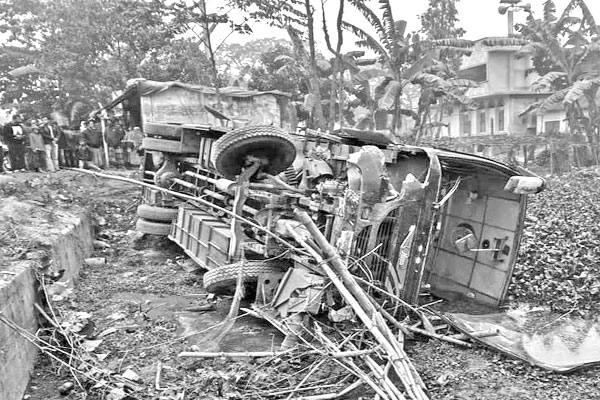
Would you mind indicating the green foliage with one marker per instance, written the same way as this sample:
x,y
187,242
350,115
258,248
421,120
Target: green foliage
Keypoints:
x,y
439,21
278,70
90,48
566,52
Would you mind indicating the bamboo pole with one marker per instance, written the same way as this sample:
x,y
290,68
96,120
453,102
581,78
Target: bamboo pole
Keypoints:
x,y
259,354
360,303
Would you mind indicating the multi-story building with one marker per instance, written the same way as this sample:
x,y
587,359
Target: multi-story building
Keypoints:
x,y
504,91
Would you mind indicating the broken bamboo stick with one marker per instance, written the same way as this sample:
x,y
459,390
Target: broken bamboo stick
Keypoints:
x,y
259,354
359,301
448,339
351,366
477,335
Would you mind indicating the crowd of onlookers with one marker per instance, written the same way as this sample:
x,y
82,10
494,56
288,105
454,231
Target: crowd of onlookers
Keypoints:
x,y
42,145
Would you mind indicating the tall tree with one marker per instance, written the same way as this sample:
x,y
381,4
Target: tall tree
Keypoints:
x,y
296,17
566,51
89,46
439,21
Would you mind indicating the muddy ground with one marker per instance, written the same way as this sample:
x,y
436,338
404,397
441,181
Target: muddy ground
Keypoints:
x,y
146,304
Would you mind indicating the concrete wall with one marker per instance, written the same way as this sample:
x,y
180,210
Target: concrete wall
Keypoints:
x,y
18,293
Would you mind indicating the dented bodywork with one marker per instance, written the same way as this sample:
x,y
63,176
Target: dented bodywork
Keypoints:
x,y
405,217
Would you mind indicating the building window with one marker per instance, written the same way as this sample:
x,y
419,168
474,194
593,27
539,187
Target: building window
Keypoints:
x,y
481,120
501,119
552,127
465,123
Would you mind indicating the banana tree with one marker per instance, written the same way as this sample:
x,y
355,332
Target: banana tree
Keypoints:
x,y
402,57
439,85
566,52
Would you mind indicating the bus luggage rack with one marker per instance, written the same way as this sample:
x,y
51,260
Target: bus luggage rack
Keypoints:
x,y
202,236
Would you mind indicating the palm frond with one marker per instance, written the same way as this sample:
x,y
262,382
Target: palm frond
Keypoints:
x,y
530,108
365,61
464,100
373,20
392,91
529,49
284,58
371,73
417,66
552,101
577,90
367,41
297,44
502,41
588,17
545,82
388,22
423,78
549,11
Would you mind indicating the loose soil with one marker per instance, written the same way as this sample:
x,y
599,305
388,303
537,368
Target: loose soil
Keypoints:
x,y
151,296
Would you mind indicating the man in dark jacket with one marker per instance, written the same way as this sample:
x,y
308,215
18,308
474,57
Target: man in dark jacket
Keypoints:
x,y
114,137
93,139
14,135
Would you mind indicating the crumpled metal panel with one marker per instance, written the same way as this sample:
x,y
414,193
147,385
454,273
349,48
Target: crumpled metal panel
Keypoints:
x,y
540,338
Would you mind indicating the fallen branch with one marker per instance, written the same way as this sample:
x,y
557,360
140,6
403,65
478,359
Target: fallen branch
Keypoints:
x,y
448,339
259,354
477,335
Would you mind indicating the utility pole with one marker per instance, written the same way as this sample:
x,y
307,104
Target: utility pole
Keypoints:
x,y
509,7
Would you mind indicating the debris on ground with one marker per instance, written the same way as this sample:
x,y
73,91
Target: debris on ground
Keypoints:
x,y
125,328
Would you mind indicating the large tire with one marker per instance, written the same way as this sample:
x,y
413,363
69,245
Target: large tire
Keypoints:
x,y
155,213
266,142
152,228
222,280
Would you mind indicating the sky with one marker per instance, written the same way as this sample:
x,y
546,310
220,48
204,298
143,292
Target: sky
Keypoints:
x,y
480,18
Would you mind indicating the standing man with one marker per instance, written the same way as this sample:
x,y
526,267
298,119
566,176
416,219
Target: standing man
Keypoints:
x,y
37,149
93,139
15,140
50,135
114,137
133,143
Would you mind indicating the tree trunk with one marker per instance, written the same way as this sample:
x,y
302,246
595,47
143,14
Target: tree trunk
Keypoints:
x,y
337,85
211,55
314,74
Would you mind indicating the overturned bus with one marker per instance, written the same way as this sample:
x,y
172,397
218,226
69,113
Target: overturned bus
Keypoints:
x,y
405,218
